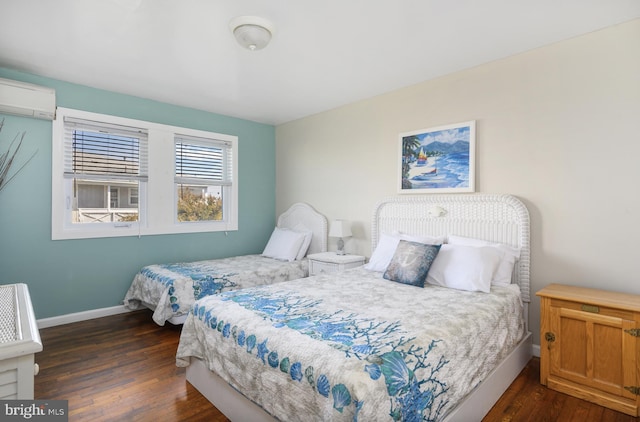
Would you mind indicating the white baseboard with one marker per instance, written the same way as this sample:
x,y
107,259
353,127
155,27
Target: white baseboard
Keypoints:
x,y
536,350
81,316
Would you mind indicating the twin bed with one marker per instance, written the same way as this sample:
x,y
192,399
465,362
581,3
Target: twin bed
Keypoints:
x,y
171,289
365,344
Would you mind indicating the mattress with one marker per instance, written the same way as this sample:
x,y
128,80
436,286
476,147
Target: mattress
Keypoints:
x,y
171,289
353,346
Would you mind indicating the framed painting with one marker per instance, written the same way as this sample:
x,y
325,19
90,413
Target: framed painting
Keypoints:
x,y
438,160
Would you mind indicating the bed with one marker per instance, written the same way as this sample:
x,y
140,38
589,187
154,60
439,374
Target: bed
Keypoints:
x,y
171,289
359,346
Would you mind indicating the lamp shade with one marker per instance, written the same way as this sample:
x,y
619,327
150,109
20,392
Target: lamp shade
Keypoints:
x,y
251,32
340,228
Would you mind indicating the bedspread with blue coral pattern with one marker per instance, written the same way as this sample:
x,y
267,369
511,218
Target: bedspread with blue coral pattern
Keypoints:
x,y
353,346
171,289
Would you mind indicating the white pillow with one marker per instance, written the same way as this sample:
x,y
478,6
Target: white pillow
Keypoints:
x,y
283,244
387,245
308,235
464,267
504,273
382,255
427,240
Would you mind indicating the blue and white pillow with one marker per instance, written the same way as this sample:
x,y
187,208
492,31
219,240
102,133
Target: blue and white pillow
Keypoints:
x,y
411,262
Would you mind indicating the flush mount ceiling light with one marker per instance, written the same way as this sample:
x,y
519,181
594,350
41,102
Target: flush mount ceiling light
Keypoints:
x,y
251,32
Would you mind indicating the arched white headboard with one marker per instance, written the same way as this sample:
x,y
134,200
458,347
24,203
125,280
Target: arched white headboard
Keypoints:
x,y
307,216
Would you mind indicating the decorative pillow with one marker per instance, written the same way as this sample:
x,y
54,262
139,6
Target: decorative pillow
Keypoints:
x,y
308,235
411,262
464,267
283,244
504,273
387,245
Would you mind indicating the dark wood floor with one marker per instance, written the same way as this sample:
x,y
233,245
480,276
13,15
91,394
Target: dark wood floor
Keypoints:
x,y
118,368
122,368
528,400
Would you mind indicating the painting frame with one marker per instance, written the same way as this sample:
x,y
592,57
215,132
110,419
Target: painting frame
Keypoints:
x,y
439,159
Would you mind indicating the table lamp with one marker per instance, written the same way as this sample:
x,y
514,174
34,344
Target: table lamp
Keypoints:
x,y
340,229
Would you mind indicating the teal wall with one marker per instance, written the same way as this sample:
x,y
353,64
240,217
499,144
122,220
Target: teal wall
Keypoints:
x,y
67,276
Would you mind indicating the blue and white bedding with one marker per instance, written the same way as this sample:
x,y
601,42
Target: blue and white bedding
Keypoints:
x,y
353,346
171,289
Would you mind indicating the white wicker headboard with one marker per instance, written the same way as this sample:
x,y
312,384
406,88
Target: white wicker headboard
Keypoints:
x,y
306,215
492,217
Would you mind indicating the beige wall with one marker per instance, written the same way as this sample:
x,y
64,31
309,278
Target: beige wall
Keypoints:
x,y
557,126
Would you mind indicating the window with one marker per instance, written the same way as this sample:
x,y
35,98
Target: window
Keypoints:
x,y
133,197
110,178
99,160
113,197
203,177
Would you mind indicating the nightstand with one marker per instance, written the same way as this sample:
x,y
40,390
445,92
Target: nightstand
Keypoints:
x,y
589,346
330,262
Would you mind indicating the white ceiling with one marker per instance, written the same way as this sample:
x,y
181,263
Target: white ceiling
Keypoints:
x,y
324,54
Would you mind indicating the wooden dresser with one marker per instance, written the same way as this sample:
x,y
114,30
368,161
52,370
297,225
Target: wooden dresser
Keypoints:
x,y
19,341
589,345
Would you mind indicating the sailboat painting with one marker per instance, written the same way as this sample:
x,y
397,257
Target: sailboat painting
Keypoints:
x,y
439,159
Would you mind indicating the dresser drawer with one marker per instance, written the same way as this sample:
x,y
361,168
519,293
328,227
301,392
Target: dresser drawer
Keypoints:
x,y
330,262
317,267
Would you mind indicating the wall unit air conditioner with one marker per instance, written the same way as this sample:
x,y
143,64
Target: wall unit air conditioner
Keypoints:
x,y
27,100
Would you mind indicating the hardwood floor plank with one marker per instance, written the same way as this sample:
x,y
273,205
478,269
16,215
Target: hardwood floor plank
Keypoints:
x,y
122,368
119,368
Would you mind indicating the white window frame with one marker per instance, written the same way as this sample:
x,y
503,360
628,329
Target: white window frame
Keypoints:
x,y
224,180
156,198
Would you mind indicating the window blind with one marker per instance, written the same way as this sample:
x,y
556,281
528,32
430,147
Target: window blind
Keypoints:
x,y
100,151
201,161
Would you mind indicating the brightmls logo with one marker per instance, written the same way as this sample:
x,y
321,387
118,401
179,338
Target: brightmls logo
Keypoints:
x,y
34,410
26,412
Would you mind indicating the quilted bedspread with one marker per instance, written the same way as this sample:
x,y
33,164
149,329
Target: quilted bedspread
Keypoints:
x,y
173,288
353,346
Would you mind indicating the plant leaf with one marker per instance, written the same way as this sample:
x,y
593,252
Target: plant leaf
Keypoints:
x,y
7,159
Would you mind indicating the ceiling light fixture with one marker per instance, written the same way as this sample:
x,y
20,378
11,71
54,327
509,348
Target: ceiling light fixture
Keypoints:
x,y
251,32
